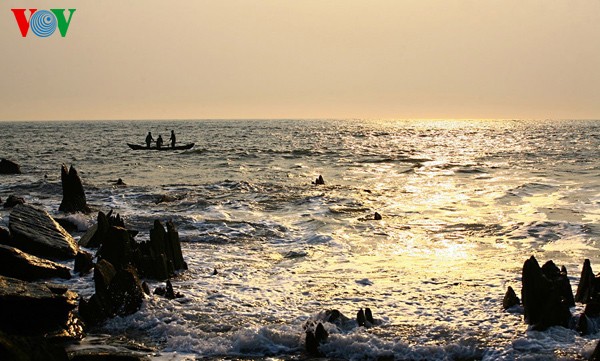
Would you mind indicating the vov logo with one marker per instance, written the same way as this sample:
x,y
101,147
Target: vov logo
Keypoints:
x,y
43,23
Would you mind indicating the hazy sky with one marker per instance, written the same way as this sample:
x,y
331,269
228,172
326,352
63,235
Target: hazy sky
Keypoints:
x,y
402,59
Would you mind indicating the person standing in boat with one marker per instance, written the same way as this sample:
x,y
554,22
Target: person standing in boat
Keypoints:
x,y
172,139
149,139
159,141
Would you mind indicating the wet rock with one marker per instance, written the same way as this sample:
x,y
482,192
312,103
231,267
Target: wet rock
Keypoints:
x,y
560,280
314,339
34,231
118,292
587,283
18,264
9,167
583,325
97,233
69,225
543,298
369,316
161,256
19,348
13,201
83,263
596,354
377,216
120,182
5,237
168,291
145,288
36,309
510,299
116,248
360,318
319,181
73,195
333,315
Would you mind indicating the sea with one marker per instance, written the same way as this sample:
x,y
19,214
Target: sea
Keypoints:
x,y
463,204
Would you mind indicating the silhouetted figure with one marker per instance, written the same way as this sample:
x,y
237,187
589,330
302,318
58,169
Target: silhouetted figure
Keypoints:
x,y
172,139
159,142
149,139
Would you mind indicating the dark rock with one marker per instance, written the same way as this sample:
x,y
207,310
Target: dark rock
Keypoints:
x,y
561,281
369,316
161,256
360,317
120,182
13,201
170,292
35,231
67,224
510,299
586,287
215,272
320,333
543,300
33,309
9,167
592,308
596,354
582,325
333,315
118,292
160,290
83,263
167,292
97,233
19,348
319,181
5,237
116,248
18,264
73,195
311,345
145,288
377,216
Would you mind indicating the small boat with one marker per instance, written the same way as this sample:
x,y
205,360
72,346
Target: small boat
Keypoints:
x,y
164,147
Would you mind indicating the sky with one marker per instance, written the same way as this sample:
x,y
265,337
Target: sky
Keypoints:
x,y
376,59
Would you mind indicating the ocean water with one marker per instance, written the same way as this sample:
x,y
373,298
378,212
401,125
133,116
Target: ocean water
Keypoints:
x,y
464,204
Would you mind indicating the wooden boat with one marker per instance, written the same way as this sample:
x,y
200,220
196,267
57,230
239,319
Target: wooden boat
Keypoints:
x,y
164,147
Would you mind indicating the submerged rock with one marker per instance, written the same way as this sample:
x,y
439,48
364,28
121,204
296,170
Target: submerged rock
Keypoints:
x,y
319,180
36,232
587,283
73,195
17,264
168,291
36,309
9,167
161,256
377,216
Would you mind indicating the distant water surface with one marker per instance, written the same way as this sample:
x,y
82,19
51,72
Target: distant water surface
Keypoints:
x,y
464,204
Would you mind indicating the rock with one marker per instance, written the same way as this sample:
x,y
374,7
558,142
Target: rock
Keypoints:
x,y
543,299
33,309
314,339
107,354
560,280
586,287
73,195
19,348
12,201
97,233
83,263
69,225
9,167
36,232
17,264
145,288
377,216
161,256
5,237
360,317
116,248
120,182
369,316
118,292
510,299
168,291
596,354
582,325
319,181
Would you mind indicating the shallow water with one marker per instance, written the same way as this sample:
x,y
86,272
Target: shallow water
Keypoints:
x,y
464,204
